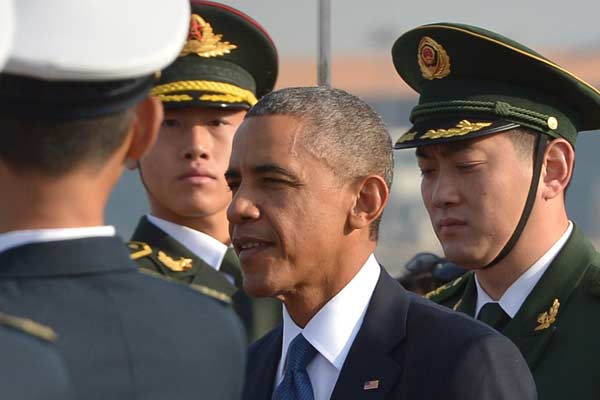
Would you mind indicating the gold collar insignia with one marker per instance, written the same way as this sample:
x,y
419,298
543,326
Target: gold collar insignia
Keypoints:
x,y
183,264
547,318
203,41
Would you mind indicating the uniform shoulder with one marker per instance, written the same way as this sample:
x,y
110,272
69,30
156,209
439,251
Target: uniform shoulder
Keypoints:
x,y
221,297
450,290
28,327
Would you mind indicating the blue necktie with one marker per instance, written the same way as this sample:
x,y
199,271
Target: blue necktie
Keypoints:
x,y
296,383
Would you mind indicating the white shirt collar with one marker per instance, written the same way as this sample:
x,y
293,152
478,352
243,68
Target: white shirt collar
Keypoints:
x,y
22,237
514,297
333,329
205,247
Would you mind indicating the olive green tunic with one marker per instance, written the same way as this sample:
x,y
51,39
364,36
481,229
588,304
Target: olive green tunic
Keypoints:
x,y
558,326
155,250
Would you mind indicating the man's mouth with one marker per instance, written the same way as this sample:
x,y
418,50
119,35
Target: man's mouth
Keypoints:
x,y
248,246
448,225
197,177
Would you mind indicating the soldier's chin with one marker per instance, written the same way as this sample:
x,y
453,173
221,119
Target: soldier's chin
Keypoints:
x,y
463,258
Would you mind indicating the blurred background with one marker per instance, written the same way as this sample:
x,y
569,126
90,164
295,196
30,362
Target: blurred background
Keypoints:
x,y
567,32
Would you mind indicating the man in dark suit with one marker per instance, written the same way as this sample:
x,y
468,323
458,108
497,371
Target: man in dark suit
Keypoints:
x,y
30,368
228,62
310,172
74,108
495,136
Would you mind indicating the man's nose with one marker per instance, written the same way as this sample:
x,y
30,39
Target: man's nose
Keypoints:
x,y
242,208
445,191
196,145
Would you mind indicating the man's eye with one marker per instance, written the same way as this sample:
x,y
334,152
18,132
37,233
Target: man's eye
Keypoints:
x,y
470,166
217,122
170,123
426,172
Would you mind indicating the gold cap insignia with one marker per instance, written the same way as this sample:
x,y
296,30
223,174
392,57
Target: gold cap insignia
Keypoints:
x,y
433,59
203,41
464,127
547,318
183,264
408,136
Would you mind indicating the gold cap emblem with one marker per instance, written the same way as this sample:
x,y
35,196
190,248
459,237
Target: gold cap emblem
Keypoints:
x,y
203,41
433,59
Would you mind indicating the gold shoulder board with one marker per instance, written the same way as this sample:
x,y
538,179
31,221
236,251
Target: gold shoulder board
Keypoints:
x,y
28,326
215,294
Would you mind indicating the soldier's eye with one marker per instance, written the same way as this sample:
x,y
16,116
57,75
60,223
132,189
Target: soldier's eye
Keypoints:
x,y
170,123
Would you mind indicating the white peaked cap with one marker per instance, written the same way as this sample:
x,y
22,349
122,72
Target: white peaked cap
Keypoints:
x,y
96,40
7,26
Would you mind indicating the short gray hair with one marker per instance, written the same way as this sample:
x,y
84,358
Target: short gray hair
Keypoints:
x,y
340,129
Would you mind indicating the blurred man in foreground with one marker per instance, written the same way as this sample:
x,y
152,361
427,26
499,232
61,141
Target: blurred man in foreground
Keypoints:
x,y
74,108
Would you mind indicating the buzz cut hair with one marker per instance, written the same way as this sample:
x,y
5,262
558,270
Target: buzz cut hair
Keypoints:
x,y
53,148
338,128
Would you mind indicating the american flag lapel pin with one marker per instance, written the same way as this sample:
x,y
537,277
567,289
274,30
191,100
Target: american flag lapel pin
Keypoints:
x,y
371,385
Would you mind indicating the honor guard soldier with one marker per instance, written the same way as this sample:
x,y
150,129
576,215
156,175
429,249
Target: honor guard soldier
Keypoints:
x,y
74,108
495,132
227,63
30,368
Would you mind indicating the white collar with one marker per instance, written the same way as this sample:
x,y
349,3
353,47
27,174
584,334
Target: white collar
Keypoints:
x,y
205,247
22,237
514,297
333,329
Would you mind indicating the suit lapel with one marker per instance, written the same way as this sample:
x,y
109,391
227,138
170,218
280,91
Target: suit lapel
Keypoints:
x,y
539,317
370,362
262,367
200,273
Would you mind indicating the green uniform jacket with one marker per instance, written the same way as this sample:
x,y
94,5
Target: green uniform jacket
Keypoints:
x,y
558,326
155,250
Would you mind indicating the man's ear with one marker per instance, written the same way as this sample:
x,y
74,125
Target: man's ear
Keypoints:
x,y
372,194
559,161
145,126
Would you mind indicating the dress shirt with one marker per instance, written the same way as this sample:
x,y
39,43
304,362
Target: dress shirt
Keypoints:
x,y
205,247
332,330
19,238
514,297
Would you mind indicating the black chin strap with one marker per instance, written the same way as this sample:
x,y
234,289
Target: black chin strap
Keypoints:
x,y
538,160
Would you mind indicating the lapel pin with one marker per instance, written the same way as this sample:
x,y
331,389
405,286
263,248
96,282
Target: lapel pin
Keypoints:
x,y
371,385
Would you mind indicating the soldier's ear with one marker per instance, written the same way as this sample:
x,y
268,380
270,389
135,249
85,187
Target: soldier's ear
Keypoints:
x,y
559,161
371,197
145,127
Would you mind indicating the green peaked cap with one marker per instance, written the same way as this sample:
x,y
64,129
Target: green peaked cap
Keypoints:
x,y
473,82
228,61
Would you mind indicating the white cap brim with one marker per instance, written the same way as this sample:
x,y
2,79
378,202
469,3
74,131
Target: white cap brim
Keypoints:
x,y
93,40
7,27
